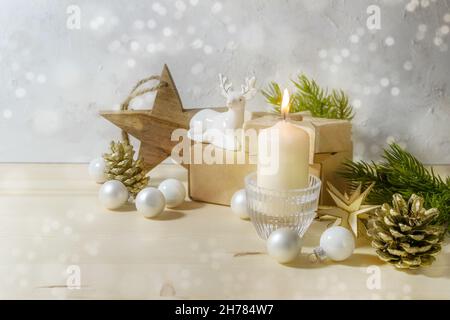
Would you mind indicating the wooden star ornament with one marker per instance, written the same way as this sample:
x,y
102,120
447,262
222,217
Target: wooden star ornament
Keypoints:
x,y
154,127
349,208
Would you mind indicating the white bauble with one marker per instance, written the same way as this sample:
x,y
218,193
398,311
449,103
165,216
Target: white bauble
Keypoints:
x,y
283,245
97,170
113,194
150,202
174,192
338,243
239,204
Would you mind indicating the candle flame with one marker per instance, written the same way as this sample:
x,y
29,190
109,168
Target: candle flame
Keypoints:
x,y
285,103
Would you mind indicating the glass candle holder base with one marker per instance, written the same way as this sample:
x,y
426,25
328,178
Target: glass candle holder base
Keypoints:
x,y
273,209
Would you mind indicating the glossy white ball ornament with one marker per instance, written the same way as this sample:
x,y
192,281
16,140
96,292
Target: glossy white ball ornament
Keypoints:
x,y
239,204
113,194
338,243
150,202
174,192
97,170
283,245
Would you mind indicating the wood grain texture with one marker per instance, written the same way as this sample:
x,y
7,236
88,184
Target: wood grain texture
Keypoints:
x,y
50,219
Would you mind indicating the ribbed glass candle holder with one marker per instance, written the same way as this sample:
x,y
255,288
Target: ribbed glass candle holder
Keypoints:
x,y
272,209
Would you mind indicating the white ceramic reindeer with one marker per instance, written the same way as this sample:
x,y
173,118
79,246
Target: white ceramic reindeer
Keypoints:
x,y
218,128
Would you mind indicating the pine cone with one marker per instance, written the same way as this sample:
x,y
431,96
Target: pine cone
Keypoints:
x,y
121,166
403,235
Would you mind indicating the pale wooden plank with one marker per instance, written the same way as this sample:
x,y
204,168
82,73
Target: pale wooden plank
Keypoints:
x,y
50,218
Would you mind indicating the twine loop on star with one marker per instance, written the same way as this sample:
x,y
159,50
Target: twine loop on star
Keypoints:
x,y
136,92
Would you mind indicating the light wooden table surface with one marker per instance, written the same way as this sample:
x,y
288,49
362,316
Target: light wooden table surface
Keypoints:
x,y
50,219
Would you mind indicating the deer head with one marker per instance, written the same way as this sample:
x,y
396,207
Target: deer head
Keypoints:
x,y
236,99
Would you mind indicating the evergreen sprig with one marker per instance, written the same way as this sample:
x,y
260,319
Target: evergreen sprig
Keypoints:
x,y
273,94
341,108
311,97
400,172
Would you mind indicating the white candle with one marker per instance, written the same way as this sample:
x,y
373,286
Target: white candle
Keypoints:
x,y
283,154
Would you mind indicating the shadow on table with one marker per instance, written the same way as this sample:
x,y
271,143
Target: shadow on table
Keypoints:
x,y
356,260
127,207
439,268
361,260
168,215
303,262
187,205
190,205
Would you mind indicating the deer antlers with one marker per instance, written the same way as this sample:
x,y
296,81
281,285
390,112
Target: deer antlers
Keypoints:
x,y
248,89
225,85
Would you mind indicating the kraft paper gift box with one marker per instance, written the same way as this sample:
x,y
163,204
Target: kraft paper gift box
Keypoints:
x,y
216,183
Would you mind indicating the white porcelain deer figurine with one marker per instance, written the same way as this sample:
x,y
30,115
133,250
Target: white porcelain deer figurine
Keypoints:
x,y
218,128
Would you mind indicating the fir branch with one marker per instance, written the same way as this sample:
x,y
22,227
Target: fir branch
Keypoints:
x,y
340,107
273,94
402,168
400,172
309,96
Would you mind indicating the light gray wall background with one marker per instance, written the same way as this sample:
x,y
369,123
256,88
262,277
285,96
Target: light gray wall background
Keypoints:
x,y
54,80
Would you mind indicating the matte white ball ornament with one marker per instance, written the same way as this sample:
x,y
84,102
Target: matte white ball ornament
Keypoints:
x,y
150,202
283,245
174,192
113,194
338,243
239,204
97,170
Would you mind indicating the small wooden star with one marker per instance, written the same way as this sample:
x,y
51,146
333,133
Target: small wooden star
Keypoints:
x,y
348,207
154,127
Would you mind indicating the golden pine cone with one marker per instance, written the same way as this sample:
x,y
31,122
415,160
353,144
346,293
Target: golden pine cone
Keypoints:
x,y
120,165
404,235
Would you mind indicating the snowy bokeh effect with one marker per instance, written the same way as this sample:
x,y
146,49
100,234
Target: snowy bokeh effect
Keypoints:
x,y
56,79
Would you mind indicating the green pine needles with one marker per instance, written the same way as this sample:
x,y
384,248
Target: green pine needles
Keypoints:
x,y
311,97
400,172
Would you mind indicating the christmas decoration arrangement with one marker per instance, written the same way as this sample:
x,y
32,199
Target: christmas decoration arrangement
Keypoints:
x,y
404,235
120,164
214,132
400,172
330,145
280,201
309,96
123,175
